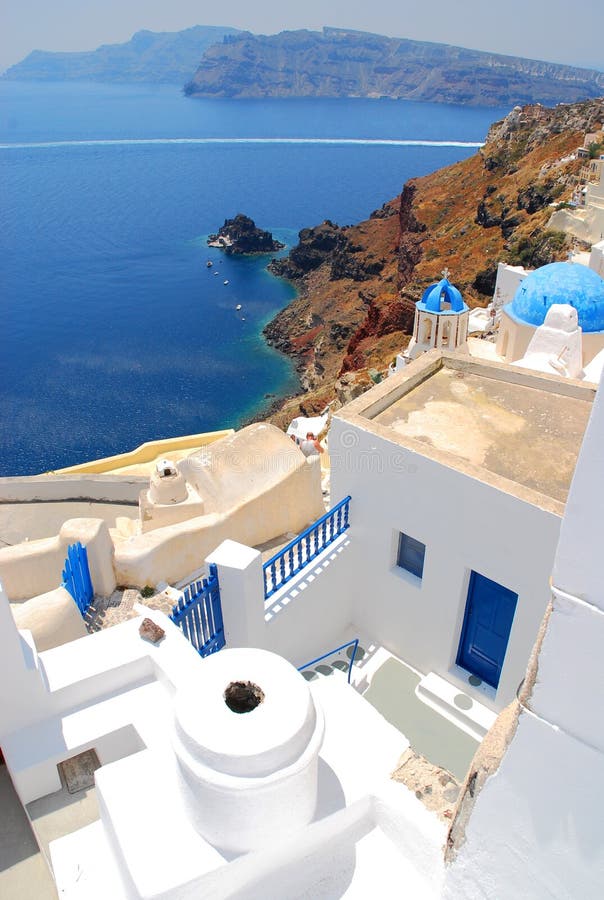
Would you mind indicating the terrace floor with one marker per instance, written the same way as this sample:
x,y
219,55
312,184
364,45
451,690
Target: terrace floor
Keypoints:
x,y
23,871
433,768
390,686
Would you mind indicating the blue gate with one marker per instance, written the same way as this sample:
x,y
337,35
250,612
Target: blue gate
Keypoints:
x,y
76,577
199,614
486,628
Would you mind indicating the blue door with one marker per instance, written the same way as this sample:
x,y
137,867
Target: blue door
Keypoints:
x,y
486,628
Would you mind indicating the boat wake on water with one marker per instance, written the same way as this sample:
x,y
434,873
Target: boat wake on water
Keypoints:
x,y
138,142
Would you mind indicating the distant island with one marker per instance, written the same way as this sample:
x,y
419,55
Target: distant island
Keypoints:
x,y
158,57
218,61
341,63
240,235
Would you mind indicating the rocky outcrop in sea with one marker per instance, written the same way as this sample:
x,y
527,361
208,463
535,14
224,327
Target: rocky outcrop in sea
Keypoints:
x,y
240,235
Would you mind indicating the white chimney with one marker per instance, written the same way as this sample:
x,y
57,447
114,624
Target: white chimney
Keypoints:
x,y
247,737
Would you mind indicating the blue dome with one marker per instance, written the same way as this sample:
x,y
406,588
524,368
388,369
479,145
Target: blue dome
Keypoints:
x,y
442,292
560,282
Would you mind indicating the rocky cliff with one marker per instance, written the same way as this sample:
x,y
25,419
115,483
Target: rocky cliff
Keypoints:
x,y
340,63
358,285
148,56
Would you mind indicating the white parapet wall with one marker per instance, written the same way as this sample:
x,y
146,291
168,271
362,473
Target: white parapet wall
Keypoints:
x,y
303,619
35,567
309,614
52,618
507,282
118,489
35,507
146,453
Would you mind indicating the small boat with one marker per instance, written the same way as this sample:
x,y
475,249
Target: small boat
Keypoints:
x,y
226,281
238,307
209,264
216,273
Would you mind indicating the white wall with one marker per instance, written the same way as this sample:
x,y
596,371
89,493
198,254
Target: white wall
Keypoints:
x,y
47,488
535,830
507,281
22,693
35,567
20,522
465,524
35,507
310,614
301,621
575,571
513,337
596,258
53,619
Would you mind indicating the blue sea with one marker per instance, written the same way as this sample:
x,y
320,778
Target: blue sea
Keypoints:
x,y
113,329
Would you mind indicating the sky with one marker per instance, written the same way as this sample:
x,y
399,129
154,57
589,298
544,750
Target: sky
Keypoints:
x,y
537,29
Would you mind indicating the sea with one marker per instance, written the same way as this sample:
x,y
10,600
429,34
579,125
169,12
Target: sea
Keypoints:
x,y
113,330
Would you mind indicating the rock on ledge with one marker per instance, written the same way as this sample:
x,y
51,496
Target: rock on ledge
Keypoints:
x,y
240,235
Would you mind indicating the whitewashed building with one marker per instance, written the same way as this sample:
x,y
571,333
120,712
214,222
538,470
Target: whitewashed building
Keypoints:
x,y
585,222
459,471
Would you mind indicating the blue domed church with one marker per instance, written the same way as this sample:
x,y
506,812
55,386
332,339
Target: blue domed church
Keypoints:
x,y
441,319
557,283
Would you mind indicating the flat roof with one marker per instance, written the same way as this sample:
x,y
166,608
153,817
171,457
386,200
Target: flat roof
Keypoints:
x,y
509,426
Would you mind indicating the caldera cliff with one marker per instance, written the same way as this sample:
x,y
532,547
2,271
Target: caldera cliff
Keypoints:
x,y
357,285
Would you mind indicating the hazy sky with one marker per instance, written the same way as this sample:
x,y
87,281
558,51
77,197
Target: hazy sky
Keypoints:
x,y
541,29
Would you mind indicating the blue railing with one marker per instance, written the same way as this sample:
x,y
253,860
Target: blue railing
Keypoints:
x,y
281,567
354,643
76,577
199,614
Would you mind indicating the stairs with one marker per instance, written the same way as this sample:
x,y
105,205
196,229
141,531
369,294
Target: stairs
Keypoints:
x,y
458,707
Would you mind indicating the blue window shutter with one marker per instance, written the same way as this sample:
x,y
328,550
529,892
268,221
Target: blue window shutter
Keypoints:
x,y
411,555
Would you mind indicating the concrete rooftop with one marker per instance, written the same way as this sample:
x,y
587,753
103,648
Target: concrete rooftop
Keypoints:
x,y
486,418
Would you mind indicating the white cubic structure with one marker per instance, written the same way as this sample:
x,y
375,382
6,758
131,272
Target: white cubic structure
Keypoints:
x,y
459,470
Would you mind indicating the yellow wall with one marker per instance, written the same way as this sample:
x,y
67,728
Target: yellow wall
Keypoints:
x,y
147,452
